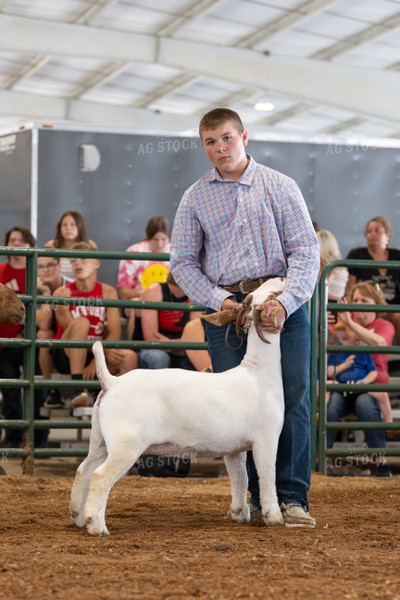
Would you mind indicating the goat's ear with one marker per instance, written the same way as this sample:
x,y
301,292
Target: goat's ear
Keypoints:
x,y
222,317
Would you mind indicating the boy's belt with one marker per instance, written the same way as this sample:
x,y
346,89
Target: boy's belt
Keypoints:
x,y
247,285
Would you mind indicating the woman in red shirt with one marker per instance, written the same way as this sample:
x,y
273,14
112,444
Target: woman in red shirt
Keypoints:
x,y
372,331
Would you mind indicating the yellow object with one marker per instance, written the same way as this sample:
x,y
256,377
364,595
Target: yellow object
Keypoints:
x,y
154,274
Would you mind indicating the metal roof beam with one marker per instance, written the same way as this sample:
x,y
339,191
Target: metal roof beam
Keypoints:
x,y
47,109
93,10
295,16
362,37
195,10
169,87
365,92
233,98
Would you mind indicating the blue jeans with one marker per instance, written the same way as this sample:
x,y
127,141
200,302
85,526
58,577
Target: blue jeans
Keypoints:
x,y
159,359
156,359
293,471
365,407
11,359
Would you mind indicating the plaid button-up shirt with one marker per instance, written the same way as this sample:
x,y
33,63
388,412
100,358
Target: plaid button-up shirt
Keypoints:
x,y
226,231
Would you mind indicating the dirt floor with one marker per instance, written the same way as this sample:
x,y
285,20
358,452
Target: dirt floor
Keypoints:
x,y
170,540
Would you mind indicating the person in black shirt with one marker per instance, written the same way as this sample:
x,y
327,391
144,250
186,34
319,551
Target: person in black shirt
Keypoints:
x,y
378,234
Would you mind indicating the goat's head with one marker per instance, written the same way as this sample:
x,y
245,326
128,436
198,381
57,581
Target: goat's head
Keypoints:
x,y
12,310
244,316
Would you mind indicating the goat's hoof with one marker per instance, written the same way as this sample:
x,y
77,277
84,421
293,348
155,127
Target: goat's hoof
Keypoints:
x,y
99,532
240,515
77,518
94,529
273,518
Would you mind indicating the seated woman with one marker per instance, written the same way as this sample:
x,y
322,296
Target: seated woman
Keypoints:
x,y
378,236
371,330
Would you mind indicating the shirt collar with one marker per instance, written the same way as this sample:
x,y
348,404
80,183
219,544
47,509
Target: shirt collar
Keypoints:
x,y
246,178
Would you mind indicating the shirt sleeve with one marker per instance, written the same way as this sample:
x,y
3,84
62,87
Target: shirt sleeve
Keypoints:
x,y
186,250
301,247
385,329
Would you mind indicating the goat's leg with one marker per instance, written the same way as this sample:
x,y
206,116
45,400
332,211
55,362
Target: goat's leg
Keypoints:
x,y
96,456
236,467
80,488
118,462
264,454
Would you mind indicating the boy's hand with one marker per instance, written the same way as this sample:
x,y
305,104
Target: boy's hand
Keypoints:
x,y
349,361
273,315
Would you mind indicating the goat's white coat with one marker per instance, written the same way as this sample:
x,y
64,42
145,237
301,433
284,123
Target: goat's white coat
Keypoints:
x,y
174,412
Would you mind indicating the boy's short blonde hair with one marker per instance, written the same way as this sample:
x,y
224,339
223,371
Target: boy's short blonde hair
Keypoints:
x,y
218,116
340,326
82,246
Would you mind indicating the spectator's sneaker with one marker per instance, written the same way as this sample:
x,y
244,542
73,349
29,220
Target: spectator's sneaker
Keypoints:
x,y
255,513
295,515
383,471
83,399
54,400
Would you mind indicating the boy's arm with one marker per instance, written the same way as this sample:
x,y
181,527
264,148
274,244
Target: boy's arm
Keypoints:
x,y
149,318
331,371
62,312
372,375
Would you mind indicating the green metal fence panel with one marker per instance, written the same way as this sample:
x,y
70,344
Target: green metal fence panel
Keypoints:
x,y
30,344
324,349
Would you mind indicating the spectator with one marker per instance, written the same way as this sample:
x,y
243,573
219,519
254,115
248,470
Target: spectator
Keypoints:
x,y
337,278
12,274
378,234
164,325
329,251
135,275
372,331
91,322
49,279
356,368
70,230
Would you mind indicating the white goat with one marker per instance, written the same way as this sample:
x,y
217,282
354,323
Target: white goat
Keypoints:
x,y
174,412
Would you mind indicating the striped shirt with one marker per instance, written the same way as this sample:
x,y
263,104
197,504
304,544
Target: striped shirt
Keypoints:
x,y
226,231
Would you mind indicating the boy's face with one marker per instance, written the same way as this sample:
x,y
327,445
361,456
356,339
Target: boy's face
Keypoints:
x,y
346,338
84,267
16,240
48,269
225,147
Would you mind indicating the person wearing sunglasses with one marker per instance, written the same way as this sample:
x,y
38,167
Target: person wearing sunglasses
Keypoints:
x,y
49,279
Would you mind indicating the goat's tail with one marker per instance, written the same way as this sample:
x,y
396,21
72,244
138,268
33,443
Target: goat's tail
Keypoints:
x,y
103,374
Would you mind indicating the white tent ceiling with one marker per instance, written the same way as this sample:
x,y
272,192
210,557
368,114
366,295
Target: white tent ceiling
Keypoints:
x,y
329,67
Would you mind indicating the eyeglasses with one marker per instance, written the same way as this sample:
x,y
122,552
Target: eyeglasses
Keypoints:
x,y
74,260
47,266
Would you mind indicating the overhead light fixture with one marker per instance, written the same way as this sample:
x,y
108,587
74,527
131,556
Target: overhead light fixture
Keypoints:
x,y
264,106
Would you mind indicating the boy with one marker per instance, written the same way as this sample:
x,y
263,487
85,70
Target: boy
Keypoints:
x,y
87,323
356,368
238,225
